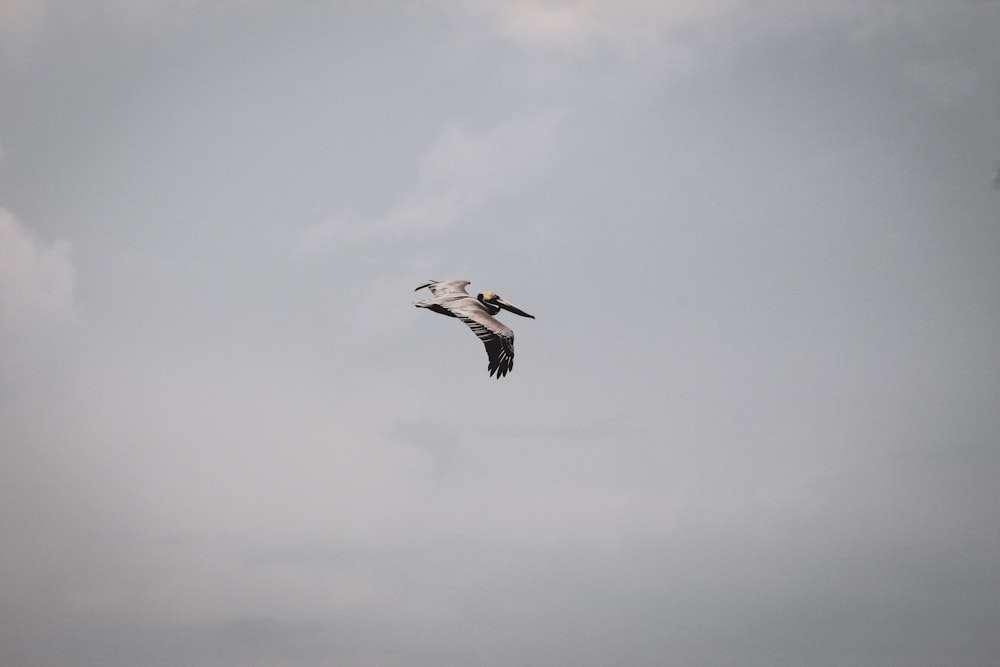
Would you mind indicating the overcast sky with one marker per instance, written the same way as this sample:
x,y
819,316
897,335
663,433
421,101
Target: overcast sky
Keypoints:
x,y
756,422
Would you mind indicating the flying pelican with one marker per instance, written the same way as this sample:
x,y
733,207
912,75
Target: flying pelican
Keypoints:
x,y
451,299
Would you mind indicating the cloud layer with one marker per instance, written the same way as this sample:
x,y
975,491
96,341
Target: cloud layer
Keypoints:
x,y
753,423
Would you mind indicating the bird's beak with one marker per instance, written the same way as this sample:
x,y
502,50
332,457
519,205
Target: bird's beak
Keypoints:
x,y
506,305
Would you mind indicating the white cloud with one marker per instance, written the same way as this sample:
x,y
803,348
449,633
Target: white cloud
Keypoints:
x,y
627,25
460,173
675,35
37,279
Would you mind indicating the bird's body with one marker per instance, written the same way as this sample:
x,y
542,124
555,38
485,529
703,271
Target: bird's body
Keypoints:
x,y
476,312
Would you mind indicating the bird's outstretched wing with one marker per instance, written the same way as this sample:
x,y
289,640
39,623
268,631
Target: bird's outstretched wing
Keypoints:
x,y
445,288
497,337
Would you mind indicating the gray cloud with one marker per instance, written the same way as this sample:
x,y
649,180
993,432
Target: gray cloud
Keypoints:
x,y
753,423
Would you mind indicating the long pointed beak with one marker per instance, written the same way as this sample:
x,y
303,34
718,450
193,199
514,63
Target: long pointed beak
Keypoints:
x,y
506,305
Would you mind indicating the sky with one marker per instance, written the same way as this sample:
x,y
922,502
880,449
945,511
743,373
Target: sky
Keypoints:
x,y
755,422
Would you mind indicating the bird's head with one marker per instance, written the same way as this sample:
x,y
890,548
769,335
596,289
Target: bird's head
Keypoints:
x,y
495,300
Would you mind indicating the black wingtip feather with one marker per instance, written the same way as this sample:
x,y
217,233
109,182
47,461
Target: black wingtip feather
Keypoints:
x,y
433,282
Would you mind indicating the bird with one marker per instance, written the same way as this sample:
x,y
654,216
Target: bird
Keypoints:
x,y
451,299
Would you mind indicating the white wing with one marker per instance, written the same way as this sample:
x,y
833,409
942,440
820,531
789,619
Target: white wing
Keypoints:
x,y
448,287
